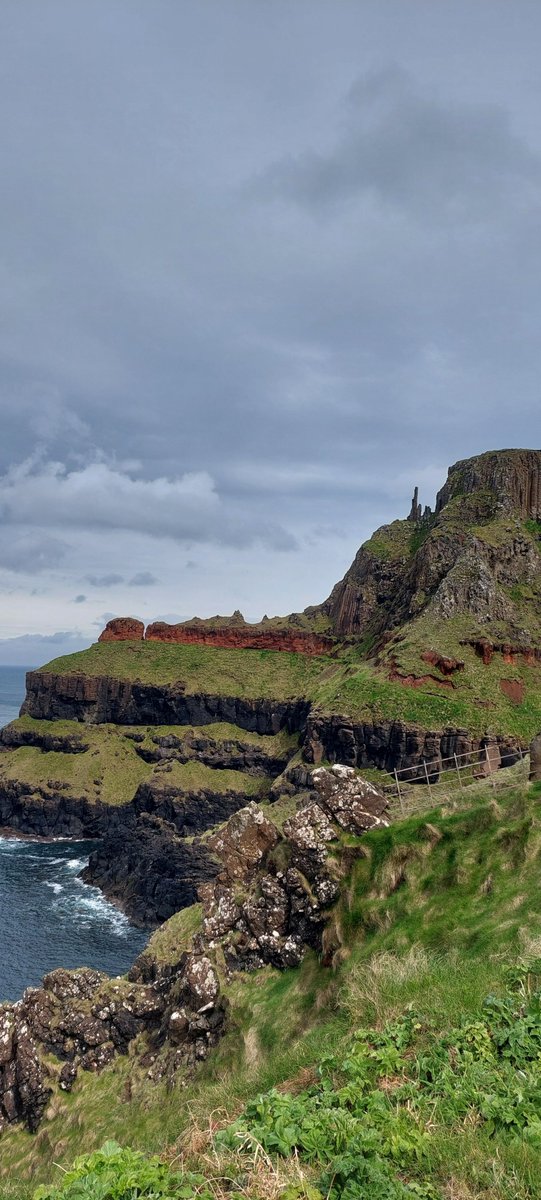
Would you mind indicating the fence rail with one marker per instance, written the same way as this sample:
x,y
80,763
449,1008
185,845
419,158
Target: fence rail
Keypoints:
x,y
430,783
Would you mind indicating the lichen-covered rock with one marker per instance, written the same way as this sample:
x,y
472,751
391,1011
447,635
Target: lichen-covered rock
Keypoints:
x,y
352,802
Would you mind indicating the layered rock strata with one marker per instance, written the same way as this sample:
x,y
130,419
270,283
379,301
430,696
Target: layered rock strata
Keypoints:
x,y
103,699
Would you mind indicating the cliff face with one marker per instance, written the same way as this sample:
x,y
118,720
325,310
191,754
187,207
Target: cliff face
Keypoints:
x,y
464,559
511,477
103,699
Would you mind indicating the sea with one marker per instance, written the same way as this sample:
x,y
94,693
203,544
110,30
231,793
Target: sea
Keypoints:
x,y
48,917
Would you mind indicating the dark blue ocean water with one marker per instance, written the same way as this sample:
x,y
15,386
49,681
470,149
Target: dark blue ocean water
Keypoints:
x,y
48,918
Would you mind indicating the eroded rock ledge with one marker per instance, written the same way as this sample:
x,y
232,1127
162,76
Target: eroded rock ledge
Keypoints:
x,y
267,904
228,633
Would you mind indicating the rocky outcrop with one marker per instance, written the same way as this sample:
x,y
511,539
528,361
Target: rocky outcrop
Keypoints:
x,y
230,633
100,699
244,637
511,653
52,813
366,592
511,477
13,736
269,901
267,904
123,629
444,559
230,754
391,745
79,1020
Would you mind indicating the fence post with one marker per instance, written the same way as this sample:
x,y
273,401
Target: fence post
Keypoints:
x,y
458,770
398,790
490,771
428,781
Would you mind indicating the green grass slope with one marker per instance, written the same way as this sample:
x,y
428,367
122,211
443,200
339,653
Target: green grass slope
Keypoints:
x,y
109,769
386,1075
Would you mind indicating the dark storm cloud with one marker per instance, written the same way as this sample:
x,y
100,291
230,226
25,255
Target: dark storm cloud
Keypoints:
x,y
263,268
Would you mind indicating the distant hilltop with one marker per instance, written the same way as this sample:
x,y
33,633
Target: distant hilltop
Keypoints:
x,y
476,556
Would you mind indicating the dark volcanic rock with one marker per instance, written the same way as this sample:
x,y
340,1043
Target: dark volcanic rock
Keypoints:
x,y
83,1019
51,814
103,699
390,745
266,904
229,754
12,737
148,869
269,900
189,812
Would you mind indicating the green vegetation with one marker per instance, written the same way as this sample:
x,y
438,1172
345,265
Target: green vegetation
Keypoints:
x,y
427,1090
110,769
369,1126
215,671
390,541
534,527
116,1174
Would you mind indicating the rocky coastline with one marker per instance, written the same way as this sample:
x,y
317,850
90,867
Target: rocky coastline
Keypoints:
x,y
266,904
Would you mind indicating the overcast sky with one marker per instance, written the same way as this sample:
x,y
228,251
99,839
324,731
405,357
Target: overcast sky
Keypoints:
x,y
265,265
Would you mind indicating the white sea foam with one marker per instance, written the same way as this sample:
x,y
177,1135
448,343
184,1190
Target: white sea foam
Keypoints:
x,y
76,864
56,887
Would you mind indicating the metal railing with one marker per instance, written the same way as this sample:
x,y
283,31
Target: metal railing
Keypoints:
x,y
428,784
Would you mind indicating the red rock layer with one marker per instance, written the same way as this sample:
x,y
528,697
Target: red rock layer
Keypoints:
x,y
513,689
123,629
241,638
486,650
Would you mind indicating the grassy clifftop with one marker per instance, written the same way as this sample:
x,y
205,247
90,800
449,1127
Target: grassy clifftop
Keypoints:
x,y
400,686
215,671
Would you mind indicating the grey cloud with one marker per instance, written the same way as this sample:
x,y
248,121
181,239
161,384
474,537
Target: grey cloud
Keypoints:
x,y
303,347
27,551
105,496
143,579
32,649
80,599
440,161
104,581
